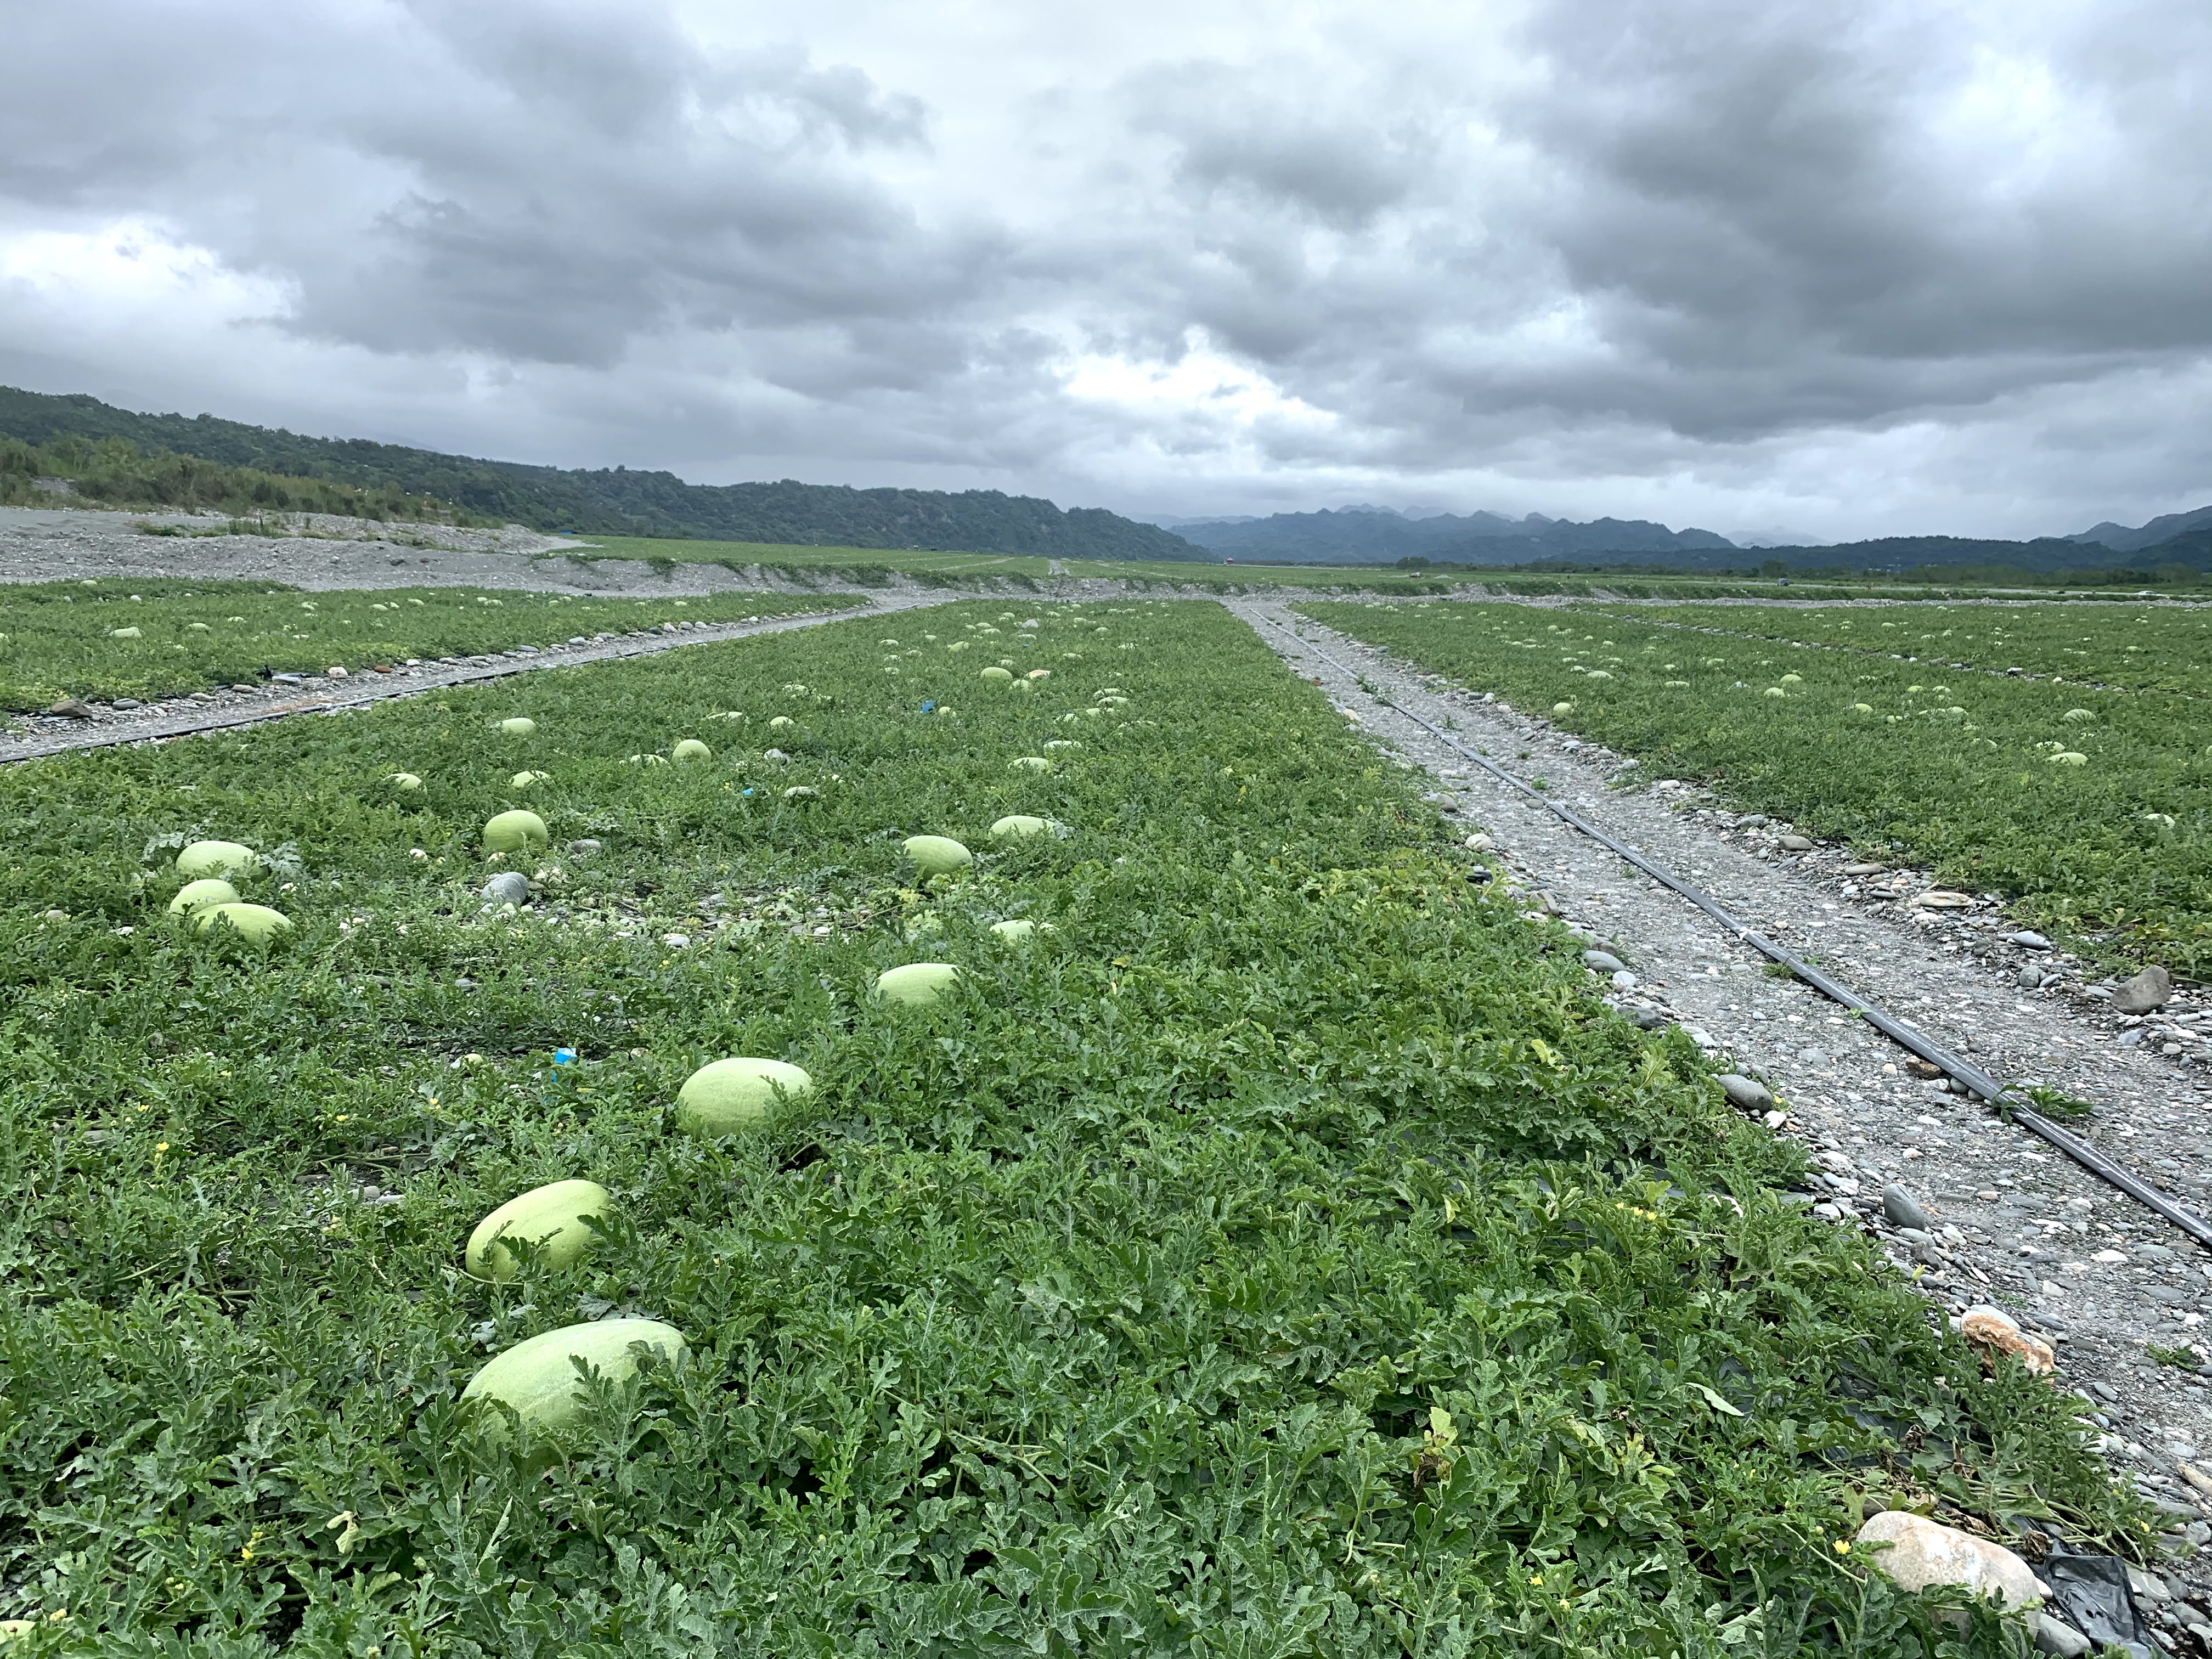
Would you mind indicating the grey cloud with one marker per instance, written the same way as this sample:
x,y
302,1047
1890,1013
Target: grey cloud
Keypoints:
x,y
1716,244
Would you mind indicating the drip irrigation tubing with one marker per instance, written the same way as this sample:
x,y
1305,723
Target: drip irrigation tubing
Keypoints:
x,y
1977,1081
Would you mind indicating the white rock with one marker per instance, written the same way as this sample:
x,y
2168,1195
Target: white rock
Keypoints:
x,y
1923,1553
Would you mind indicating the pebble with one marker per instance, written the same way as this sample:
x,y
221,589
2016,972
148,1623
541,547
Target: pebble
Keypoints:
x,y
1625,981
508,887
72,709
1603,962
1796,844
1866,869
2027,941
1744,1093
1903,1210
2151,989
2029,978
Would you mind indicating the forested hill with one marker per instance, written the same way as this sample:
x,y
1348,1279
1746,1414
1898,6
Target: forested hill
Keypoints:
x,y
619,502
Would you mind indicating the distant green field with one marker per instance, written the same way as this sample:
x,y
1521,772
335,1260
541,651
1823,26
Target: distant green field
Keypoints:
x,y
149,637
2150,648
860,563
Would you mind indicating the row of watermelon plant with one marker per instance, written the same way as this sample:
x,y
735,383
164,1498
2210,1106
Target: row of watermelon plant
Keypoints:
x,y
2165,647
1281,1248
152,637
2091,808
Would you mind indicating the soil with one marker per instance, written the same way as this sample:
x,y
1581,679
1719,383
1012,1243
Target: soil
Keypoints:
x,y
2016,1225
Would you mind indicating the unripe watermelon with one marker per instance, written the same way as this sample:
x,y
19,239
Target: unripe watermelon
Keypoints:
x,y
198,894
1014,931
936,856
520,726
216,858
783,723
728,1095
516,831
996,675
1016,825
918,984
527,780
257,924
404,783
1029,764
690,749
549,1217
538,1378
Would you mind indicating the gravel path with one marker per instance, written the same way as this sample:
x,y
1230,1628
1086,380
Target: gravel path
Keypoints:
x,y
38,546
2011,1222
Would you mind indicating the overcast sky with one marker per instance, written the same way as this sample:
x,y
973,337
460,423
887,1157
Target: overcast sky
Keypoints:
x,y
1843,269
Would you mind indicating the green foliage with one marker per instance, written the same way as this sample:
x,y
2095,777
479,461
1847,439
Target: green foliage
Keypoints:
x,y
193,635
1285,1254
2165,647
117,472
2113,853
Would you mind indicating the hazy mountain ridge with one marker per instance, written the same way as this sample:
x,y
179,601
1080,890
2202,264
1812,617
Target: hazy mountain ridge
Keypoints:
x,y
2124,539
618,501
1371,535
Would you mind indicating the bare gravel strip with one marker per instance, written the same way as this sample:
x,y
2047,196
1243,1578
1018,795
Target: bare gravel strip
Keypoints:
x,y
2010,1223
184,717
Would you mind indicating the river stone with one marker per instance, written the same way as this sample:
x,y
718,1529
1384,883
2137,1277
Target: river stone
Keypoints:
x,y
508,887
1923,1553
1603,962
2147,990
2029,978
1744,1093
1796,844
2055,1637
2029,941
1903,1210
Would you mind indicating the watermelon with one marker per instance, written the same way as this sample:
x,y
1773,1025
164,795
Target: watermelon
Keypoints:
x,y
538,1378
198,894
257,924
690,749
918,984
516,831
216,858
728,1095
936,856
549,1217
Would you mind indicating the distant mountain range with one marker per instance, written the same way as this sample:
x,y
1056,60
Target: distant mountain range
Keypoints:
x,y
618,502
2121,539
1378,535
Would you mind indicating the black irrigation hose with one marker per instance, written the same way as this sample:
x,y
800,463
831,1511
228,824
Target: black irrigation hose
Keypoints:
x,y
1978,1081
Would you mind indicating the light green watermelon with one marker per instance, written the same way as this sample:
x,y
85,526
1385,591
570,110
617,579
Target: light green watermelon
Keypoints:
x,y
516,831
725,1095
216,858
538,1378
918,984
548,1217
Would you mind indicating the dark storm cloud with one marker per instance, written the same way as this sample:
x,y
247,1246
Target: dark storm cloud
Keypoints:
x,y
1717,244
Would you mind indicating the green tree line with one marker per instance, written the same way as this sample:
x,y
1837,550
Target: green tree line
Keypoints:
x,y
117,472
618,501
